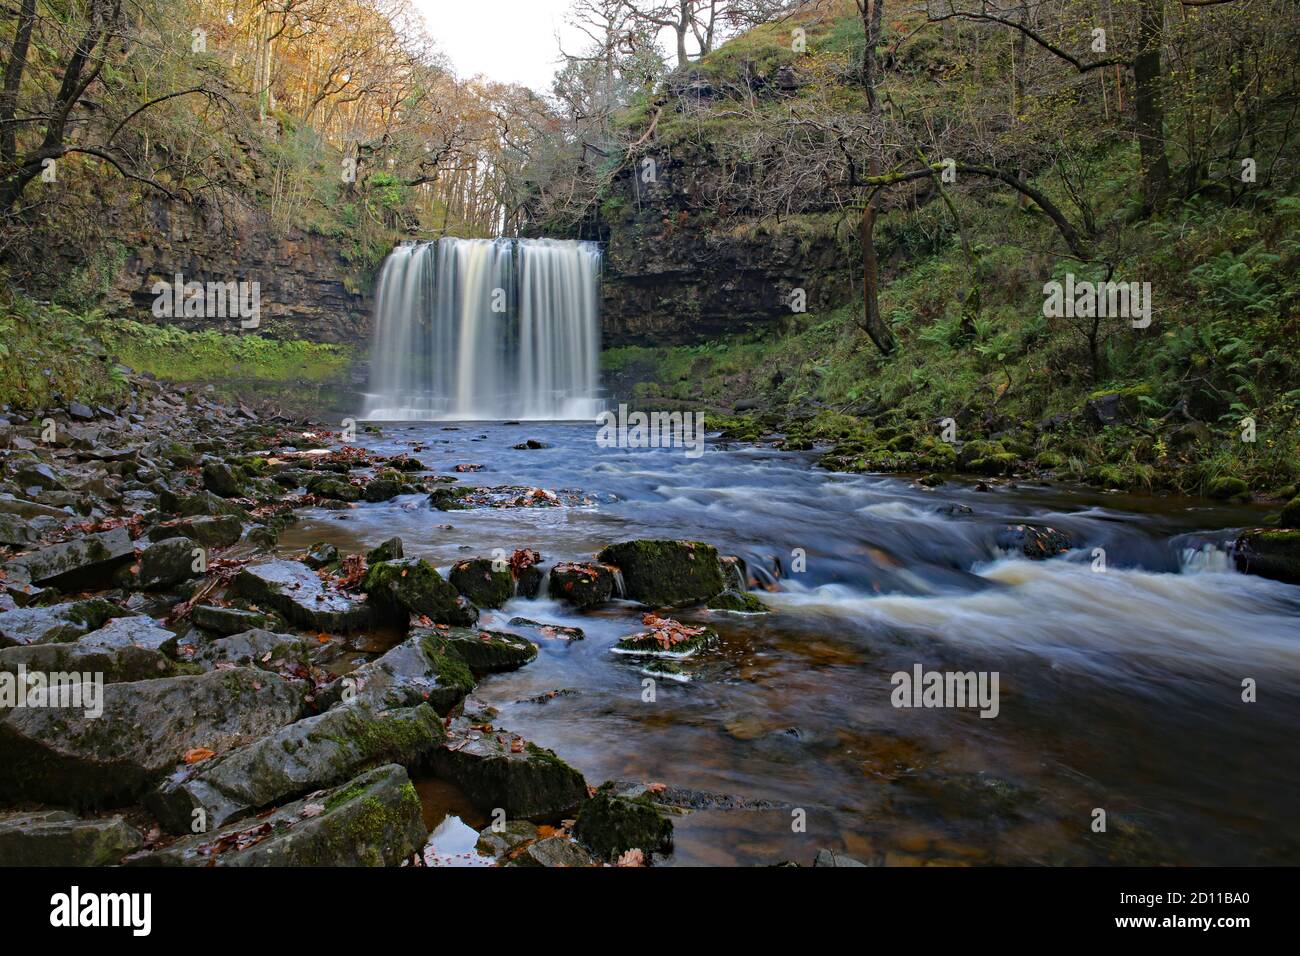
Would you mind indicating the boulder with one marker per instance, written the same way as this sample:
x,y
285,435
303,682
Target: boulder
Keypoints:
x,y
1290,516
115,664
498,841
389,550
665,637
741,601
1269,552
827,857
197,504
1105,410
500,770
610,824
39,475
479,582
83,562
211,531
165,563
321,555
224,480
227,620
64,755
312,754
293,591
581,584
1034,543
550,631
666,573
16,531
372,820
421,669
552,851
281,653
56,623
486,652
332,487
132,631
413,586
57,838
381,489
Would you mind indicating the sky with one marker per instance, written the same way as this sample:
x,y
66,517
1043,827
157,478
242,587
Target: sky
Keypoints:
x,y
511,41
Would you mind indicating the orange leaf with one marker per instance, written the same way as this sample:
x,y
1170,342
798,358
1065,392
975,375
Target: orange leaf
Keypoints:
x,y
196,754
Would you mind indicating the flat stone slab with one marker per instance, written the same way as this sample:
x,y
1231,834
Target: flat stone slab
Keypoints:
x,y
293,590
82,560
66,755
132,631
311,754
57,838
422,669
115,664
56,623
257,648
486,652
372,820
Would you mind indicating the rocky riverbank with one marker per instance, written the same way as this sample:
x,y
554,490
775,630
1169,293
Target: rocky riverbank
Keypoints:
x,y
180,690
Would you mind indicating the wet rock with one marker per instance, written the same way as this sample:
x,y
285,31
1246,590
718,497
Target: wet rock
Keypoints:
x,y
57,838
82,562
227,620
197,504
224,480
741,601
321,555
280,653
165,563
610,825
552,852
318,752
382,489
827,857
1034,543
39,475
327,486
1269,552
581,584
665,637
293,591
128,663
498,769
62,755
389,550
56,623
372,820
420,669
499,842
666,573
449,498
531,444
212,531
734,573
480,583
550,631
487,652
413,586
132,631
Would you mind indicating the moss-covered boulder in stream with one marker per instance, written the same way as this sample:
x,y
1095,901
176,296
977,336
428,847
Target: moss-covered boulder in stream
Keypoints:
x,y
421,669
581,584
312,754
372,820
1269,552
297,594
484,652
610,824
481,583
73,755
740,601
666,573
414,586
500,770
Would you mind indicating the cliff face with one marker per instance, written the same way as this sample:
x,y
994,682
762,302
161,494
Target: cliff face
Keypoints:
x,y
675,275
306,289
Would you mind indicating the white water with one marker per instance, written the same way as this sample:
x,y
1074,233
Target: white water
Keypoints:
x,y
487,329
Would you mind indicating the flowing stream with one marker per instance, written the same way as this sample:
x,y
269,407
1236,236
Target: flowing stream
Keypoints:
x,y
1120,684
486,329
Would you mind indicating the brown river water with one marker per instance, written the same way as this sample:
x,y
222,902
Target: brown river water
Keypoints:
x,y
1120,686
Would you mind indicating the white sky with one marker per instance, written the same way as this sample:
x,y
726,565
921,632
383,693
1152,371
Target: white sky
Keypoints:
x,y
511,41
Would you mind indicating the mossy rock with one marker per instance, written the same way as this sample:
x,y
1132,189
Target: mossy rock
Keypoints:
x,y
737,601
328,486
449,498
486,652
477,580
414,586
610,825
389,550
1269,552
662,573
581,584
1290,516
1225,487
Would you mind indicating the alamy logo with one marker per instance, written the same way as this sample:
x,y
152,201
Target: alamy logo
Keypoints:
x,y
1102,300
921,688
65,689
655,430
73,909
208,300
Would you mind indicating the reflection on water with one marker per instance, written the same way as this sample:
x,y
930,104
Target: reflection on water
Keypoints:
x,y
1121,689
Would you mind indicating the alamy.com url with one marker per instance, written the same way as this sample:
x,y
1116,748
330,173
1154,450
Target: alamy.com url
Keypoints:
x,y
1203,923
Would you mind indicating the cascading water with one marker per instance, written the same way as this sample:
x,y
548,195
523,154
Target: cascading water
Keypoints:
x,y
482,329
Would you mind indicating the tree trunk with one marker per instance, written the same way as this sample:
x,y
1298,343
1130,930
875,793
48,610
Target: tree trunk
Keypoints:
x,y
872,12
1149,112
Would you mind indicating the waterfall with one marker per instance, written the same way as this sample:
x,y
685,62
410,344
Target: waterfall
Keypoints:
x,y
487,329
